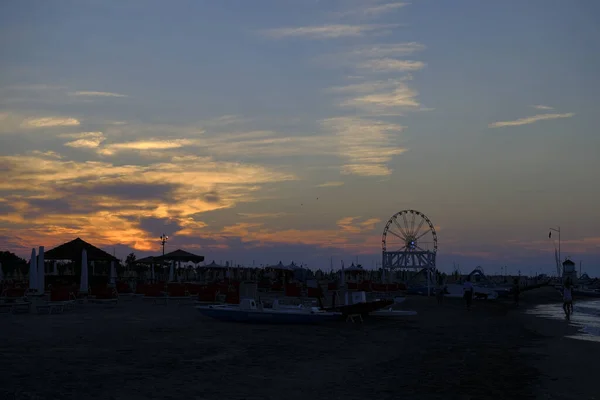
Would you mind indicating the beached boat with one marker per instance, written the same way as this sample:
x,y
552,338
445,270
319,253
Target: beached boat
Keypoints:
x,y
249,311
357,304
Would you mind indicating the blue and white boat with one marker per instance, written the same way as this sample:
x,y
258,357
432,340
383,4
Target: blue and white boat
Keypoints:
x,y
249,311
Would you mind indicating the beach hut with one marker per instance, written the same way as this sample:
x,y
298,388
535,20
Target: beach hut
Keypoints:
x,y
84,254
569,271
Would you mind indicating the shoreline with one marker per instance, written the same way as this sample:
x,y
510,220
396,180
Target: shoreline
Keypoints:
x,y
563,362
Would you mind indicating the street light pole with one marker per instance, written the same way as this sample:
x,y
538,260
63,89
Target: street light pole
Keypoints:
x,y
163,240
557,229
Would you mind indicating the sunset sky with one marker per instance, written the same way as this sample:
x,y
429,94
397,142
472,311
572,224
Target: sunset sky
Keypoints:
x,y
268,130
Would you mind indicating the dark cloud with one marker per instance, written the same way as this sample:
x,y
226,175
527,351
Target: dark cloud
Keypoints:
x,y
6,208
129,191
212,197
157,226
53,205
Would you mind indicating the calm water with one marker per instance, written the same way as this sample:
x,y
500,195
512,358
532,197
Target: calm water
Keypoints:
x,y
586,317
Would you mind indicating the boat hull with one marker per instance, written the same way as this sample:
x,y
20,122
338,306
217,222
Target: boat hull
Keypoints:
x,y
267,316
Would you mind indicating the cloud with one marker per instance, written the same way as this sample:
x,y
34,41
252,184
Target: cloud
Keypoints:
x,y
158,226
87,140
262,215
366,144
329,31
358,55
12,122
355,226
49,122
380,97
542,107
373,11
117,197
96,94
390,64
529,120
145,145
330,184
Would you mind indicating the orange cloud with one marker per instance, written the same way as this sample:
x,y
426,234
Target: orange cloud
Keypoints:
x,y
54,199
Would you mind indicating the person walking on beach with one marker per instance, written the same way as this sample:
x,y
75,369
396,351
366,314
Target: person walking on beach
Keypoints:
x,y
568,297
468,292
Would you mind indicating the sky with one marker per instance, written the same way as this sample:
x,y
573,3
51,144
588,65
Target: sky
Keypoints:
x,y
293,130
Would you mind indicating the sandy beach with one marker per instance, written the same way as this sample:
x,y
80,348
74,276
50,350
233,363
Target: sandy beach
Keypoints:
x,y
140,350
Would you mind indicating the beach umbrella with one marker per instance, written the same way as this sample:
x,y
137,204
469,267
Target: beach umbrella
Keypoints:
x,y
41,281
83,284
113,273
171,278
152,272
33,271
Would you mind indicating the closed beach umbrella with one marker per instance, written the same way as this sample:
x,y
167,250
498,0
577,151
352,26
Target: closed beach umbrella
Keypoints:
x,y
171,271
41,282
33,271
83,284
113,273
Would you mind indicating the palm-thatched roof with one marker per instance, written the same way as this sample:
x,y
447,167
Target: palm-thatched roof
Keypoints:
x,y
72,251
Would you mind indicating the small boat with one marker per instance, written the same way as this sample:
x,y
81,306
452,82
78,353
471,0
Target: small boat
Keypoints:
x,y
249,311
357,304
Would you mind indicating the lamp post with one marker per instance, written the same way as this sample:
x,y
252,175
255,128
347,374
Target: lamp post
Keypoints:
x,y
163,240
557,229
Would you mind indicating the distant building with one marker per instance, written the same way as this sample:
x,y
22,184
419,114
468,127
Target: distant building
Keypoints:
x,y
569,271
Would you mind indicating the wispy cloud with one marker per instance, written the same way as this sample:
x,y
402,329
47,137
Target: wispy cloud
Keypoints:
x,y
261,215
331,184
96,94
373,10
366,145
391,64
49,122
530,120
87,140
542,107
387,50
380,97
145,145
356,225
329,31
12,122
361,54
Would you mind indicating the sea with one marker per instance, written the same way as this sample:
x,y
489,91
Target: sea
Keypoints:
x,y
585,317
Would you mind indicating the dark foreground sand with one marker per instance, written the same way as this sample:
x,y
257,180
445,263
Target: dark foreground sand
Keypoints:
x,y
140,350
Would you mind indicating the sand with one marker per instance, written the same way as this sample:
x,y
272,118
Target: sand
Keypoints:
x,y
140,350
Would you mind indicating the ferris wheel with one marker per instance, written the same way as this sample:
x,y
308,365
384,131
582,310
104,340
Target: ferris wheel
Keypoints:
x,y
409,240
